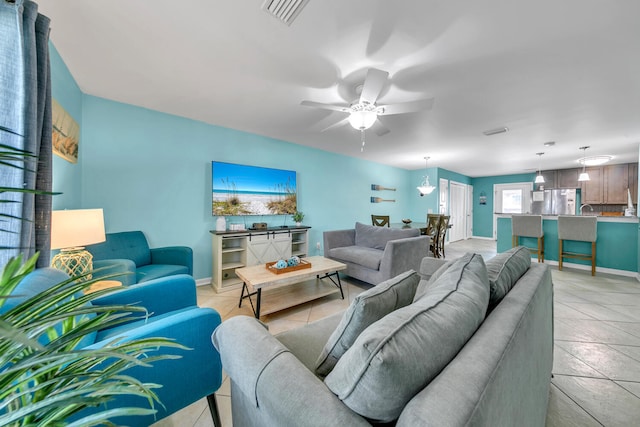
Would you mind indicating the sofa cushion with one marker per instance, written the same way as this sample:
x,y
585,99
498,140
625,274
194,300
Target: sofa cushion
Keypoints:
x,y
368,307
504,270
366,257
377,237
155,271
400,354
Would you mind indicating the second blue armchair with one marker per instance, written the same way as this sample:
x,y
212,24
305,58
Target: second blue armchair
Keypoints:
x,y
129,252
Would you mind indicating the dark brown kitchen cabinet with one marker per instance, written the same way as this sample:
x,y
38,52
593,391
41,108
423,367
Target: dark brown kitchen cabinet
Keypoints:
x,y
568,178
549,180
616,182
593,190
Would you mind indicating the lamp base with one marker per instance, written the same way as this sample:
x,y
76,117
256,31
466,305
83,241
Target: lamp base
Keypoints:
x,y
75,262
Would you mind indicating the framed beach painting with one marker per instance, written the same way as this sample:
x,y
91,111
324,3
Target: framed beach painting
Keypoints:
x,y
66,133
252,190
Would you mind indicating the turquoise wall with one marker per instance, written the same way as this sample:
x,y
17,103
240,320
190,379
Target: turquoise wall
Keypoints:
x,y
151,171
483,214
67,176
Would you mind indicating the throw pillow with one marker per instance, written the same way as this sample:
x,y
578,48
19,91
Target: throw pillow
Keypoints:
x,y
505,270
368,307
397,356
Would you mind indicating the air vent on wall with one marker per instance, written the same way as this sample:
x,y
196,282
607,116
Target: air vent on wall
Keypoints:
x,y
284,10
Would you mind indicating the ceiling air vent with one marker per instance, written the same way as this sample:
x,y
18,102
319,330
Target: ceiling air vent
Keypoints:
x,y
284,10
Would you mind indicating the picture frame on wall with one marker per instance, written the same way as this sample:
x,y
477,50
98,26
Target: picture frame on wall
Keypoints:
x,y
65,134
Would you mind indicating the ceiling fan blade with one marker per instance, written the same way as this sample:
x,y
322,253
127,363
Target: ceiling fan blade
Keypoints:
x,y
379,128
334,107
373,84
336,125
405,107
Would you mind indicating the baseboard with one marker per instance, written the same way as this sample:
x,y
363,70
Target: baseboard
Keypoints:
x,y
482,238
587,267
204,281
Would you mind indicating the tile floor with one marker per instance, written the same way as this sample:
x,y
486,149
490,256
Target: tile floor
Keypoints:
x,y
597,344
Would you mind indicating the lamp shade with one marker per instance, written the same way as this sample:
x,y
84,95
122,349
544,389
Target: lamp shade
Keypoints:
x,y
78,227
584,176
362,119
539,179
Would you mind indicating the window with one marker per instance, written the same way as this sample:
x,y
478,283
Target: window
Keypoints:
x,y
511,199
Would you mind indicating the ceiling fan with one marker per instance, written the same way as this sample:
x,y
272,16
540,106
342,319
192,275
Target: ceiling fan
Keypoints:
x,y
363,113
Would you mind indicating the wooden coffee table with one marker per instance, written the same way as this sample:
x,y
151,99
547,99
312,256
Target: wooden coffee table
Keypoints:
x,y
289,289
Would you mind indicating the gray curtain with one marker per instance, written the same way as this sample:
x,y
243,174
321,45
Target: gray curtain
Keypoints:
x,y
25,124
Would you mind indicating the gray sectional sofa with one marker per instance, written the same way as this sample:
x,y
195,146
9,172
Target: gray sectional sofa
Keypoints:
x,y
374,254
463,343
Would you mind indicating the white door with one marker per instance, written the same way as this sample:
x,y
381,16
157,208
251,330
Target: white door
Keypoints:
x,y
512,198
469,212
458,211
443,208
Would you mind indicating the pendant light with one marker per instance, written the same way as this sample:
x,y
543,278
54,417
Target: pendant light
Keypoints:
x,y
425,187
539,178
584,176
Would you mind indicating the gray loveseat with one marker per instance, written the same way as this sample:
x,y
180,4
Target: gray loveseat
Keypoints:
x,y
374,254
499,375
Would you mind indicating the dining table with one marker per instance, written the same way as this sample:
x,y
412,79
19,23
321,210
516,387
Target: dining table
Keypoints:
x,y
422,226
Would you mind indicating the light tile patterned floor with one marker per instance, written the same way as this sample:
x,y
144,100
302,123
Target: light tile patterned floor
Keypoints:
x,y
597,344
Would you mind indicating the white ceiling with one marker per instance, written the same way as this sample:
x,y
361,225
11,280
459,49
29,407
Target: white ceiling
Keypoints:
x,y
550,70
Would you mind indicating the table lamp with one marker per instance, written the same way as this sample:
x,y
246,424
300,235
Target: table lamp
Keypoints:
x,y
71,230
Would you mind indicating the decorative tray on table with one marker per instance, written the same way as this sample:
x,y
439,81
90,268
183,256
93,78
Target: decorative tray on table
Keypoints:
x,y
271,266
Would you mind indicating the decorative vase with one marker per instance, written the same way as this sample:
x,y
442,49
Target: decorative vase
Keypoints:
x,y
298,223
221,224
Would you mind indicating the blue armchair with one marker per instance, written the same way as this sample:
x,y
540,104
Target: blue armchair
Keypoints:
x,y
174,314
128,253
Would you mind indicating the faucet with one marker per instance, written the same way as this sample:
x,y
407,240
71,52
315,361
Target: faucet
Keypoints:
x,y
583,206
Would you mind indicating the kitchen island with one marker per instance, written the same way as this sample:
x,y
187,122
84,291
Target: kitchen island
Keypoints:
x,y
616,246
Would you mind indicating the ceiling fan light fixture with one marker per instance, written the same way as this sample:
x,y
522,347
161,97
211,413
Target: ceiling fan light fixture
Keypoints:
x,y
362,119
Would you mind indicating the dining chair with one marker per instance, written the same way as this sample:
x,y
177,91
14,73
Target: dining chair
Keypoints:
x,y
443,226
528,226
380,220
433,222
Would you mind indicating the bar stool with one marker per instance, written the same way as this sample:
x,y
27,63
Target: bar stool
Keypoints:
x,y
528,226
380,220
577,228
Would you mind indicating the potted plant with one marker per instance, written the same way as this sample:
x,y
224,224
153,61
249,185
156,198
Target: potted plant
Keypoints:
x,y
298,217
45,377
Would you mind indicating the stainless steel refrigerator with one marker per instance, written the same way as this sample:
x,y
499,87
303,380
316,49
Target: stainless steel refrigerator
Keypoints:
x,y
558,201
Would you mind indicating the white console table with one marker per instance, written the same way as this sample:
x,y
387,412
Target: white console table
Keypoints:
x,y
236,249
